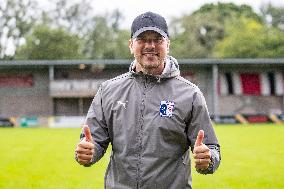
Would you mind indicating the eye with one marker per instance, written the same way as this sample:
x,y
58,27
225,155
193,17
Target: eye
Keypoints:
x,y
159,40
156,40
141,39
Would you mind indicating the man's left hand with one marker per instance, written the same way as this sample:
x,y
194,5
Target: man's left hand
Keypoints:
x,y
201,153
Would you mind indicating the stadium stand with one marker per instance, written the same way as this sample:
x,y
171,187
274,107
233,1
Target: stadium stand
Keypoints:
x,y
235,89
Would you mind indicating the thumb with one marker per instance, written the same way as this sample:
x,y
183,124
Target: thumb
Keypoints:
x,y
87,133
199,139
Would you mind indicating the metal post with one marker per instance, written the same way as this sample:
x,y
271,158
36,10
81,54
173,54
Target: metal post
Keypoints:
x,y
214,90
51,73
51,78
81,107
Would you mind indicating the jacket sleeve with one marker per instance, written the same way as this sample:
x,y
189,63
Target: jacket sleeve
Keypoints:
x,y
96,121
200,119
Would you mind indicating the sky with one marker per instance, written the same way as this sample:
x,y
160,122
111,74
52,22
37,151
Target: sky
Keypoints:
x,y
167,8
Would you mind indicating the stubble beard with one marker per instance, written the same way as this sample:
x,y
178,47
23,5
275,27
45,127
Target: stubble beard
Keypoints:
x,y
149,66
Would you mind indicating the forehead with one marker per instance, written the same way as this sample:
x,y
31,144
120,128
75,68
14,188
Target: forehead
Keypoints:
x,y
149,33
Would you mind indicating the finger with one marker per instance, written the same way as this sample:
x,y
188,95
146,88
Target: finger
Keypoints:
x,y
202,166
84,162
84,150
85,145
84,157
87,133
199,139
202,161
202,156
201,149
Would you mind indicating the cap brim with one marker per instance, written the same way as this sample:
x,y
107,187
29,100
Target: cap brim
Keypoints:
x,y
141,30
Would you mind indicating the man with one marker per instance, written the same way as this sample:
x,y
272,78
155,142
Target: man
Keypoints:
x,y
152,117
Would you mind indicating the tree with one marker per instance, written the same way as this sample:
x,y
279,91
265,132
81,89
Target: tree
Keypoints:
x,y
229,10
247,38
100,34
195,35
273,15
50,44
106,40
74,16
17,17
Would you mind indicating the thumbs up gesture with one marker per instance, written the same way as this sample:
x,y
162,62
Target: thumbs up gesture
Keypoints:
x,y
85,148
201,152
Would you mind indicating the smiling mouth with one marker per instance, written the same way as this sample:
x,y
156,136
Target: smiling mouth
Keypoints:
x,y
150,54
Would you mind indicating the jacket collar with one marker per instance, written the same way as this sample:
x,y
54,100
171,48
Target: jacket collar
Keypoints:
x,y
171,68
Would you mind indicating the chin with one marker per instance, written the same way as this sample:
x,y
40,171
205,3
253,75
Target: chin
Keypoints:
x,y
151,65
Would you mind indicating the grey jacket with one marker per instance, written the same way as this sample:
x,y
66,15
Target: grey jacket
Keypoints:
x,y
152,124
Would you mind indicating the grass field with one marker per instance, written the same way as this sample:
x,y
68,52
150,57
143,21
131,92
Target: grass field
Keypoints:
x,y
42,158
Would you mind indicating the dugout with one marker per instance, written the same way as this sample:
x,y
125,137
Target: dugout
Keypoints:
x,y
66,87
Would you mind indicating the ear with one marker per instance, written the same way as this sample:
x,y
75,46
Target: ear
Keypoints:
x,y
130,45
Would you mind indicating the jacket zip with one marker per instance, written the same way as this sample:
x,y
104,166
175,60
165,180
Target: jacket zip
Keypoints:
x,y
140,130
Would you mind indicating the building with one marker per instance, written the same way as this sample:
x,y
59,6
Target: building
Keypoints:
x,y
66,87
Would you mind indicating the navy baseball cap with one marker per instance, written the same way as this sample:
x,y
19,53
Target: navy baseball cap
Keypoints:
x,y
149,21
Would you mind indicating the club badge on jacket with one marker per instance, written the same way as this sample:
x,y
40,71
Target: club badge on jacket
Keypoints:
x,y
166,108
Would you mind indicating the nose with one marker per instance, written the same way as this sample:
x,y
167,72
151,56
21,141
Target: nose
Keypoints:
x,y
150,42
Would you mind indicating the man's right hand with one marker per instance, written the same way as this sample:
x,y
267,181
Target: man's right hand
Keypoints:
x,y
85,149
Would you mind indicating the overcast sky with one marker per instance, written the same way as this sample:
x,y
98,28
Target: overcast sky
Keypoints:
x,y
167,8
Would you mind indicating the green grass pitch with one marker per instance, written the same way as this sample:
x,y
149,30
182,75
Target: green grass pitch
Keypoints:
x,y
42,158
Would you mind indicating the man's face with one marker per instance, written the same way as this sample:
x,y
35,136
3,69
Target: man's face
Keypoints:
x,y
150,50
